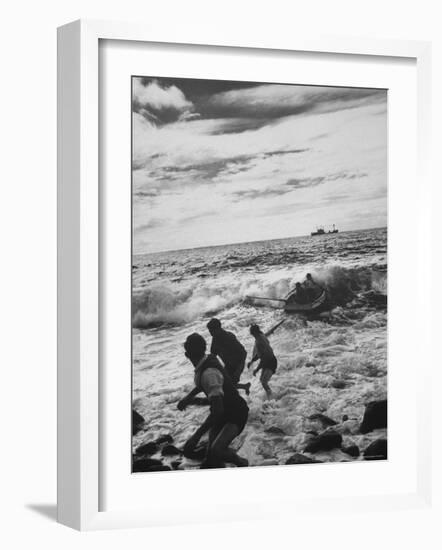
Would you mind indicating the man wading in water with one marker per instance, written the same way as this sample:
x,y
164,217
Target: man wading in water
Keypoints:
x,y
230,350
228,410
263,351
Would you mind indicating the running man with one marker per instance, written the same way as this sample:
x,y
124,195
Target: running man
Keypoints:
x,y
228,410
230,350
264,352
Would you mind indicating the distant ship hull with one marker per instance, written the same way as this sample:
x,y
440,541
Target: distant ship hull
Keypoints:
x,y
322,232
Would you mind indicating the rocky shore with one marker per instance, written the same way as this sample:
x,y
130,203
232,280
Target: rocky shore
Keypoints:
x,y
325,440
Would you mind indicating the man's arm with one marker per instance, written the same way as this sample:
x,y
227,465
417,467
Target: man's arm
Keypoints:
x,y
185,401
213,349
252,360
258,368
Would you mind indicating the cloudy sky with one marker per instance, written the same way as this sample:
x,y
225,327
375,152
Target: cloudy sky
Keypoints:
x,y
217,162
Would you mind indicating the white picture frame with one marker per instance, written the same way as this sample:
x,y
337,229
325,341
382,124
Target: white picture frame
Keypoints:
x,y
79,265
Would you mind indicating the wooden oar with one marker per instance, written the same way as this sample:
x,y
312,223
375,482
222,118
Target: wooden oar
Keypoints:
x,y
272,330
265,298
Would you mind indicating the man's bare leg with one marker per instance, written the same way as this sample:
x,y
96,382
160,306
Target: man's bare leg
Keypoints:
x,y
266,374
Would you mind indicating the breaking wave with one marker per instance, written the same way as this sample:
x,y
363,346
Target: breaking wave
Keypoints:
x,y
168,303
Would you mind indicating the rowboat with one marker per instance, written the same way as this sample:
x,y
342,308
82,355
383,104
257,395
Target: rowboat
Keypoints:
x,y
292,306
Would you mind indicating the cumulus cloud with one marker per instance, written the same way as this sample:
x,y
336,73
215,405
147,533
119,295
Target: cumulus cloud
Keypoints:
x,y
153,95
204,166
160,104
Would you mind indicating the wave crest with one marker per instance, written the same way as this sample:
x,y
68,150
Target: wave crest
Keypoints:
x,y
178,303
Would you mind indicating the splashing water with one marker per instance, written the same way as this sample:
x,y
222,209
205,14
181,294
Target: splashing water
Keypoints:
x,y
333,364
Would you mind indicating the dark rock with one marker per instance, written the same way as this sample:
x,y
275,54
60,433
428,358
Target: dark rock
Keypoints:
x,y
375,416
166,438
339,384
323,419
170,450
312,432
147,449
325,442
345,418
275,430
137,422
352,450
175,464
377,299
377,450
299,458
197,454
143,464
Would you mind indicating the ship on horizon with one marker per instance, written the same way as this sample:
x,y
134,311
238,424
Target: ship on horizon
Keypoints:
x,y
321,231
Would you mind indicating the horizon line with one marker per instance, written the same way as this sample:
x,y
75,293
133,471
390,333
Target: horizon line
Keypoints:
x,y
254,241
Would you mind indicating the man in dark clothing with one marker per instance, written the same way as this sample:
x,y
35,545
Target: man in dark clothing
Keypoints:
x,y
300,294
232,353
228,410
312,288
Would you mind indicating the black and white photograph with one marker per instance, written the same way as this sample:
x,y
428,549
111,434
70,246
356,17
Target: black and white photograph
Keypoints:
x,y
259,274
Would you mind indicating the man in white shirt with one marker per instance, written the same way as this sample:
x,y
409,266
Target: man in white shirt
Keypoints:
x,y
228,410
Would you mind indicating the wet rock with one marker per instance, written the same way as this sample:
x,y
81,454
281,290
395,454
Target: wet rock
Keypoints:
x,y
323,419
339,384
377,450
275,430
166,438
326,441
147,449
143,464
269,462
137,422
350,427
299,458
170,450
375,416
351,450
376,299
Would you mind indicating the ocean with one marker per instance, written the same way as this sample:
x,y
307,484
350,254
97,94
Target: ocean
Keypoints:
x,y
333,363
